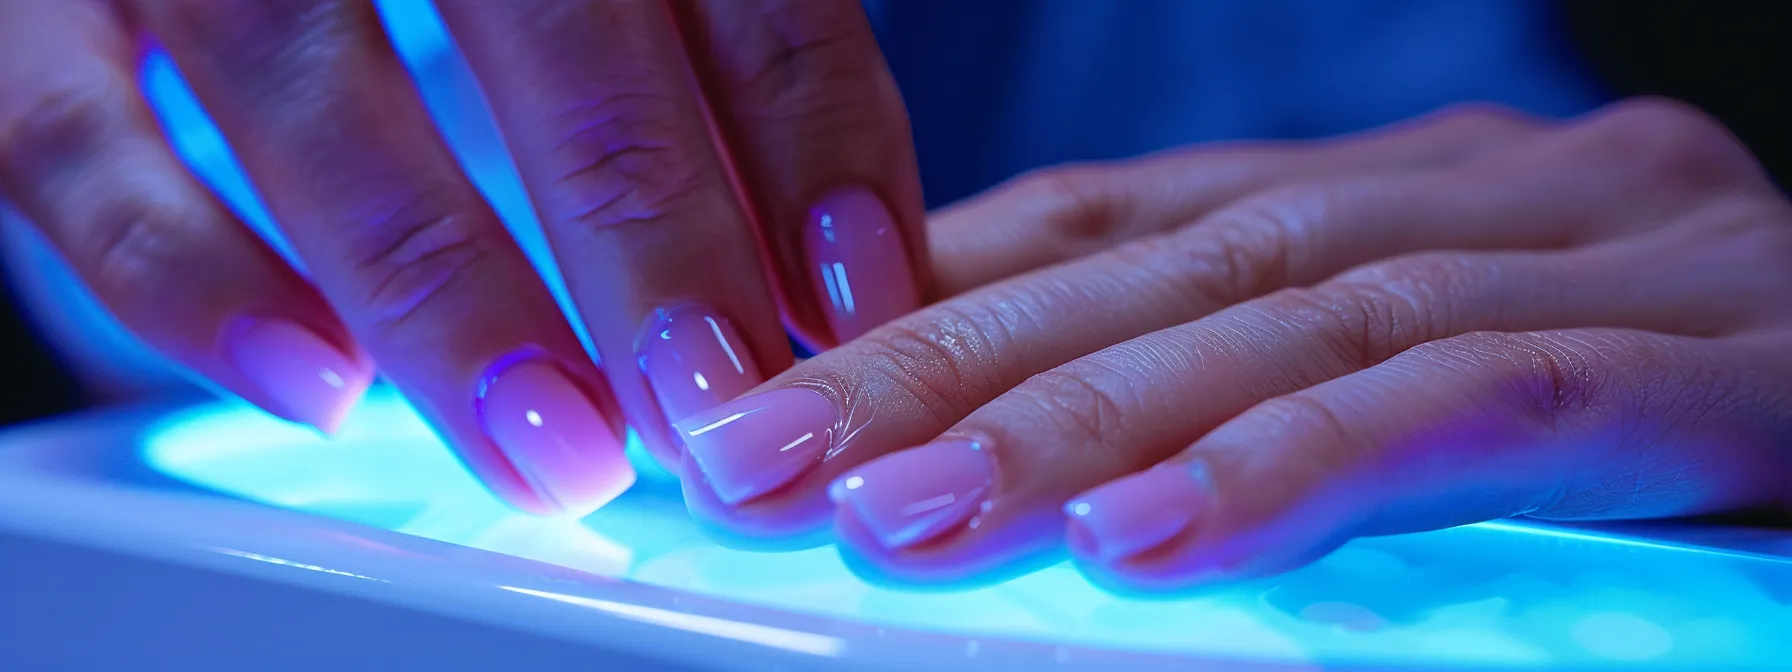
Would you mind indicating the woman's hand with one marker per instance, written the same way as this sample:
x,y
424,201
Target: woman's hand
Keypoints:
x,y
1227,362
602,113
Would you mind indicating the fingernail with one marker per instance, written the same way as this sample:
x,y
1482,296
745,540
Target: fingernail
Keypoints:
x,y
859,262
694,360
1139,512
754,445
552,433
911,496
312,381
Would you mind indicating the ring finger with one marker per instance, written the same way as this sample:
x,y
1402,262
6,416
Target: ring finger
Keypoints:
x,y
1008,467
759,466
1068,212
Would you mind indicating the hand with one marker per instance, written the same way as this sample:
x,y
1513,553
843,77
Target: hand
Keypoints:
x,y
411,267
1268,350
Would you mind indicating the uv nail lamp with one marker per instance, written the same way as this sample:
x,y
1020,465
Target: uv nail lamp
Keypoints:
x,y
216,537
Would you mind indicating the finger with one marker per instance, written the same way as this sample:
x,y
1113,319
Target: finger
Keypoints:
x,y
905,384
1582,424
81,155
318,107
820,136
1070,212
1131,405
1064,213
595,104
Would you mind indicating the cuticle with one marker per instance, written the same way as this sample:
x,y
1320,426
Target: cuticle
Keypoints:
x,y
849,421
664,314
531,352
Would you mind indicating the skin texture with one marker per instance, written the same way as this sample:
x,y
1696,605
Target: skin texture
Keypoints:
x,y
679,154
1224,362
1208,364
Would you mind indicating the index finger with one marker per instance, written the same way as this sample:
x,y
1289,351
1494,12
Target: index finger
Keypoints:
x,y
595,102
820,138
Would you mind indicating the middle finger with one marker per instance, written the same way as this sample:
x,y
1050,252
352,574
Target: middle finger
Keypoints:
x,y
595,103
314,100
759,465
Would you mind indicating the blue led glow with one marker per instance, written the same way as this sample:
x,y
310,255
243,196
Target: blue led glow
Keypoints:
x,y
1484,594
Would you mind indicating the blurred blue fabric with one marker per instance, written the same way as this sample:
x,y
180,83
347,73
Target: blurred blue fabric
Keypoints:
x,y
995,87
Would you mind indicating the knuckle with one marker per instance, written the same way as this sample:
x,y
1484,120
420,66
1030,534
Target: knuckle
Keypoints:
x,y
1239,254
807,53
1675,144
1255,243
131,246
1086,411
1483,118
61,129
1080,215
1360,325
258,45
405,258
621,161
1624,390
1415,293
1552,376
946,360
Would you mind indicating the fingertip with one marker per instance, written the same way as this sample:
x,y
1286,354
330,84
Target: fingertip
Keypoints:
x,y
946,564
297,373
330,424
786,519
913,496
1139,512
748,448
551,432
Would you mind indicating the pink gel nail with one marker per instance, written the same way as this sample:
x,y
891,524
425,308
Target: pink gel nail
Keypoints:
x,y
694,360
753,445
311,380
859,262
908,497
1138,512
553,435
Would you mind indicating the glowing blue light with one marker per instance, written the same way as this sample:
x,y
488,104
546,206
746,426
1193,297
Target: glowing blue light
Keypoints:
x,y
1503,594
1496,594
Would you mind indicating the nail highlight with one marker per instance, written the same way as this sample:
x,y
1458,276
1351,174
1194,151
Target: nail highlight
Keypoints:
x,y
694,359
859,262
910,496
1136,513
754,445
312,381
553,434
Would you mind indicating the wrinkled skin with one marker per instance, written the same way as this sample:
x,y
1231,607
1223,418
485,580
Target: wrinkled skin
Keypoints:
x,y
1224,362
631,123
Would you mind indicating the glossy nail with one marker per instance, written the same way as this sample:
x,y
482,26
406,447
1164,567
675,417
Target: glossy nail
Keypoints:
x,y
694,360
859,262
552,433
910,496
312,381
754,445
1136,513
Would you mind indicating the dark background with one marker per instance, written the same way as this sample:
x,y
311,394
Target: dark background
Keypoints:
x,y
1729,57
